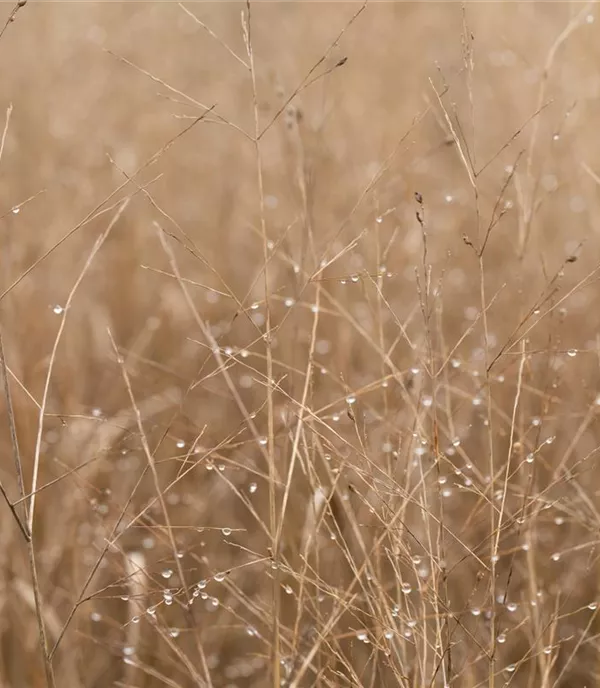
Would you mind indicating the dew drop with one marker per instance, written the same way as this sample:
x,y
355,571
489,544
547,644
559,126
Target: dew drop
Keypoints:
x,y
362,635
555,556
174,632
219,577
592,605
502,638
167,573
406,588
16,210
572,353
58,309
252,488
226,531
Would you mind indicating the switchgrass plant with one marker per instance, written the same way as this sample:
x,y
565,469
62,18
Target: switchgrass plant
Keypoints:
x,y
299,352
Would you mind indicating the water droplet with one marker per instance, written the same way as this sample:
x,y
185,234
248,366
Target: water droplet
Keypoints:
x,y
226,531
263,441
529,458
477,401
174,632
555,556
219,577
592,605
251,631
136,619
58,309
389,634
289,302
548,650
379,220
406,588
252,488
511,668
427,402
572,353
455,363
502,638
167,596
16,210
202,584
512,606
95,616
314,308
167,573
416,560
550,439
128,651
476,611
351,400
362,635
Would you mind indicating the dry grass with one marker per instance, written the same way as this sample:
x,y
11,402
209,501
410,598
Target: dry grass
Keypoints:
x,y
297,315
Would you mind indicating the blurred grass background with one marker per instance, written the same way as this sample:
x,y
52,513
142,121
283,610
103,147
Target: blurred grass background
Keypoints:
x,y
434,412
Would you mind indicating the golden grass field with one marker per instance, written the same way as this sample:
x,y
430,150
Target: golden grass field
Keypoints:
x,y
300,357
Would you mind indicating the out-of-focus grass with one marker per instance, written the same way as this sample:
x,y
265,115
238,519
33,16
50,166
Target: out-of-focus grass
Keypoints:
x,y
411,498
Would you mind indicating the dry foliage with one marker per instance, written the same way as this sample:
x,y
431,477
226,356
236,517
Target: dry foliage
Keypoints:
x,y
300,365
